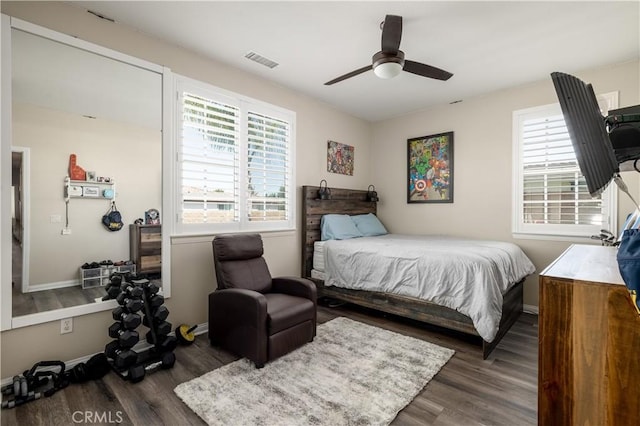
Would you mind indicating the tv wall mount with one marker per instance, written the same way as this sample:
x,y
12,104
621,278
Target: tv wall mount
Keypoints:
x,y
623,126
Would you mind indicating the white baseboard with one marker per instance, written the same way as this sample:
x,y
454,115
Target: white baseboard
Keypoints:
x,y
530,309
140,347
53,285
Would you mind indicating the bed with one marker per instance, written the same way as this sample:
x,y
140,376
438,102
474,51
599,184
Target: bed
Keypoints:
x,y
502,274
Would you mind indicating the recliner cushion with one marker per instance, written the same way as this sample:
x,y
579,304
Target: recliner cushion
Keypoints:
x,y
251,274
237,246
284,311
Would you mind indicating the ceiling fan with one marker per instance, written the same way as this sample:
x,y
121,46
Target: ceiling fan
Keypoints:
x,y
390,60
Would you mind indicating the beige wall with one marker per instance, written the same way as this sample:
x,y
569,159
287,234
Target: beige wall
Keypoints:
x,y
483,152
130,155
191,259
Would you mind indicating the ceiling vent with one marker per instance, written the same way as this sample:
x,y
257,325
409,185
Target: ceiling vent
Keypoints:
x,y
261,60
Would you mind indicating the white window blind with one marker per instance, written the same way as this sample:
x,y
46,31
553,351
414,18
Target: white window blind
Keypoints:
x,y
234,163
209,161
267,167
551,194
554,190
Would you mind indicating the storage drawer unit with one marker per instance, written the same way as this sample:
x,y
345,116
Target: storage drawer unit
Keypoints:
x,y
145,244
99,277
589,337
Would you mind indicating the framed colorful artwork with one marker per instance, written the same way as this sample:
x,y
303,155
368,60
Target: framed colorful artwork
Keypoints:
x,y
340,158
430,169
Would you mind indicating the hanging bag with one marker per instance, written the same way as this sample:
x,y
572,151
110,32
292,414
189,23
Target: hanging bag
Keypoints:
x,y
629,258
112,220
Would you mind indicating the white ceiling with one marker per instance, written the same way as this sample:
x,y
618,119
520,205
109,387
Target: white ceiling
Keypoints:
x,y
486,45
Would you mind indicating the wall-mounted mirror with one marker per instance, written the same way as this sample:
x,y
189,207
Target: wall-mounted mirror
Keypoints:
x,y
72,98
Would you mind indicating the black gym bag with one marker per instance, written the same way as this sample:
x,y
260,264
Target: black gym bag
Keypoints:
x,y
112,220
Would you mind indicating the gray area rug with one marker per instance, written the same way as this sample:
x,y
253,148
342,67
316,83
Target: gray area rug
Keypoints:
x,y
351,374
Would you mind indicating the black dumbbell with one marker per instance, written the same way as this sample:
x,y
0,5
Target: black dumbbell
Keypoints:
x,y
156,301
126,338
129,320
112,292
122,358
131,290
116,279
150,288
162,329
166,344
137,372
132,305
124,275
157,315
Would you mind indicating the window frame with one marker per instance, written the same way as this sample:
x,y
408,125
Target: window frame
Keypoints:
x,y
245,105
554,231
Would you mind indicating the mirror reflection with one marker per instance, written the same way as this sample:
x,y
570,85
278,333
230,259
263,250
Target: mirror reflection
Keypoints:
x,y
75,111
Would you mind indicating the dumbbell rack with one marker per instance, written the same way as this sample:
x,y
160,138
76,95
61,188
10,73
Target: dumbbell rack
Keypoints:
x,y
138,296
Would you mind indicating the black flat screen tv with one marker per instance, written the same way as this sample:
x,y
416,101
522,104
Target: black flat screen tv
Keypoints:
x,y
587,130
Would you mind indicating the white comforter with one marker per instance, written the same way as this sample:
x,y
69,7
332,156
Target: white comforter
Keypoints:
x,y
470,276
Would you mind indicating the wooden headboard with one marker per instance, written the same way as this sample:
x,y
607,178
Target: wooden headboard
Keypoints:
x,y
343,201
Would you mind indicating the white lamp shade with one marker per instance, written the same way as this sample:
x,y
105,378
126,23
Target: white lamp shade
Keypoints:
x,y
388,70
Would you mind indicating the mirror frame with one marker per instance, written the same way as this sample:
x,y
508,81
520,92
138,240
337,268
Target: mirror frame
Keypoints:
x,y
8,23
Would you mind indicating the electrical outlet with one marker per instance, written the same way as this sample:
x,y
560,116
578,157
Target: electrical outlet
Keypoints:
x,y
66,231
66,325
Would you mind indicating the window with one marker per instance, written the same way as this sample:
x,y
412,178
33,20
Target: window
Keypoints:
x,y
551,196
234,168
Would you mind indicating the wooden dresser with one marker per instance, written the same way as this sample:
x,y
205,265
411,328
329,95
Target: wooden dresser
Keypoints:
x,y
145,245
589,342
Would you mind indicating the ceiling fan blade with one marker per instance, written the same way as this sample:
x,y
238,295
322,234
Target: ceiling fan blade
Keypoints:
x,y
426,70
391,33
349,75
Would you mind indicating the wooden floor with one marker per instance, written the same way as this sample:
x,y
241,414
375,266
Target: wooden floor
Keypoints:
x,y
49,300
45,300
501,390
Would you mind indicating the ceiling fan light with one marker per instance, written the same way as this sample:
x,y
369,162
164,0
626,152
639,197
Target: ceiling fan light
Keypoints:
x,y
387,70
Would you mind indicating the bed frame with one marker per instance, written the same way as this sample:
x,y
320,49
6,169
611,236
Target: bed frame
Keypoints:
x,y
353,202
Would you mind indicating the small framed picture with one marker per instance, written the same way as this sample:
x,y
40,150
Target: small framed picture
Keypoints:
x,y
340,158
91,176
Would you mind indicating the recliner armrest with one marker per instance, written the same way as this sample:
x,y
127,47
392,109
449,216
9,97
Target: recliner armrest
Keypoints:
x,y
295,286
239,306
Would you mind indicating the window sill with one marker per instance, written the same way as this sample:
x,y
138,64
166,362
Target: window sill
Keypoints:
x,y
578,239
207,237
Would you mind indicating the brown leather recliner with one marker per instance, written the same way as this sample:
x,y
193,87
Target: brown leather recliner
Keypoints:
x,y
252,314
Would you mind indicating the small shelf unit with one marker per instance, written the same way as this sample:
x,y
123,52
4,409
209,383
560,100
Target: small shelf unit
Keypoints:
x,y
89,189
